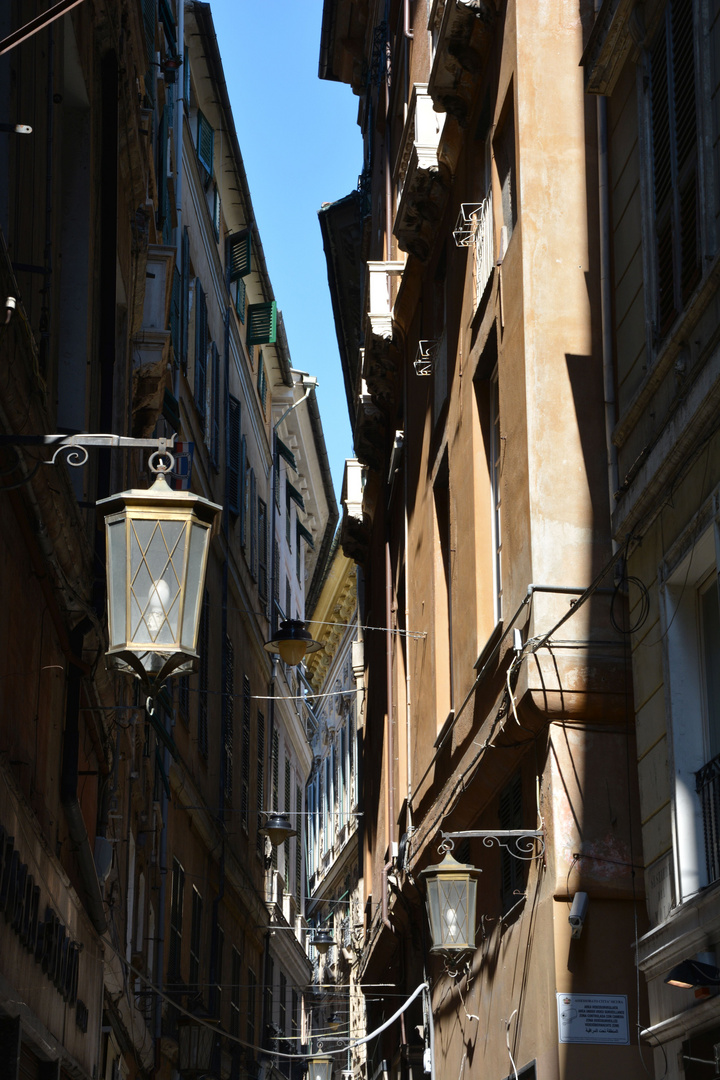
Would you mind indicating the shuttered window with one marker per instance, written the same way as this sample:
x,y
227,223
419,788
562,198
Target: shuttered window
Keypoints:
x,y
201,347
262,381
262,549
252,499
675,162
177,890
215,407
239,298
275,786
245,793
511,868
288,791
262,323
243,491
203,675
184,299
216,212
260,779
195,940
233,455
238,255
235,993
229,716
251,1007
205,143
298,846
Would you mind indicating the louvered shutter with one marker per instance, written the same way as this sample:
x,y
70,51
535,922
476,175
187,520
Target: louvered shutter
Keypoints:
x,y
203,673
298,846
686,128
260,793
288,789
238,255
205,143
240,295
184,299
275,786
510,815
253,526
215,408
233,455
245,794
201,344
262,550
243,491
229,715
262,323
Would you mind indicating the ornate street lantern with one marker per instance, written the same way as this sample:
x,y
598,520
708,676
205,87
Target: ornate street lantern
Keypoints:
x,y
322,940
293,642
451,902
320,1067
157,551
279,828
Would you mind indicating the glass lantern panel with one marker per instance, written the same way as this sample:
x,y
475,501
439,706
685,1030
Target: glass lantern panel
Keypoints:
x,y
157,554
117,577
454,910
320,1070
199,535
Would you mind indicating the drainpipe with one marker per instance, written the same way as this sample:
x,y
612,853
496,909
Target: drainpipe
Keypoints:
x,y
390,741
408,686
179,128
606,302
406,21
162,893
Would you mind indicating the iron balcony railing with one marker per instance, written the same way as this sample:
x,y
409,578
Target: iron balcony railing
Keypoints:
x,y
707,785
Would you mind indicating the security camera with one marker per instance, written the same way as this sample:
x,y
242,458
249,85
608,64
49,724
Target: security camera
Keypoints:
x,y
578,911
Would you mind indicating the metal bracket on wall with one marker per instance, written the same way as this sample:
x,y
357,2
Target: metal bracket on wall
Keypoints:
x,y
76,445
520,843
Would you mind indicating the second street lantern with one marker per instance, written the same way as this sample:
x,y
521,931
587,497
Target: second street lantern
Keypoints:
x,y
157,551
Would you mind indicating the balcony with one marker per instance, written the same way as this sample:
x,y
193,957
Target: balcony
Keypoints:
x,y
380,362
422,183
355,526
462,31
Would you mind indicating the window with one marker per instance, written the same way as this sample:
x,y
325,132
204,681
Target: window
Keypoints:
x,y
269,1002
215,407
205,143
184,300
245,794
298,847
496,496
235,993
282,1005
294,1018
262,381
262,549
504,150
691,618
216,1008
183,685
234,447
203,675
216,212
228,711
177,889
275,786
195,940
251,1007
288,810
260,776
253,526
674,135
512,876
201,347
239,295
243,491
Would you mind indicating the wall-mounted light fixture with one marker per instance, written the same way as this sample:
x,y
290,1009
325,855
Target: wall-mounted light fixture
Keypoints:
x,y
322,940
451,902
320,1067
293,642
279,828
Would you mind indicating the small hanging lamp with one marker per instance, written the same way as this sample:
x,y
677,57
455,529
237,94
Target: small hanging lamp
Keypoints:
x,y
293,642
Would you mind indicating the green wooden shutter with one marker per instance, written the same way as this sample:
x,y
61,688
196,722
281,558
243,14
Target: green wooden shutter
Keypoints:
x,y
294,494
204,675
233,455
262,323
285,452
238,255
243,491
240,297
215,407
262,549
205,143
260,793
262,381
306,535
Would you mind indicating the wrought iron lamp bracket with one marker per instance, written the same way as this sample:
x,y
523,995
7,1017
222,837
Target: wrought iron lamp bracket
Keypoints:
x,y
75,447
520,843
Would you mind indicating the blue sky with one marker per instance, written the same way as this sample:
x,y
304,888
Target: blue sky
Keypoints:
x,y
302,147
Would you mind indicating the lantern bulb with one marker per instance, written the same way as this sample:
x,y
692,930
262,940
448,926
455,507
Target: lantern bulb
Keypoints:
x,y
158,605
452,924
292,652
